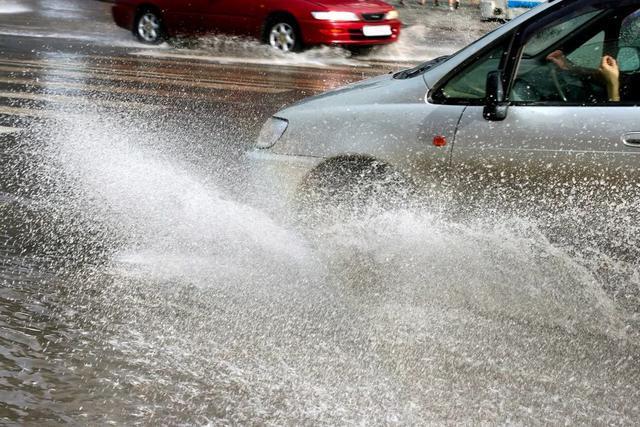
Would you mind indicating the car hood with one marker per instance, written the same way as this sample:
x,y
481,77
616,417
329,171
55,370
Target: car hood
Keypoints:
x,y
361,6
378,90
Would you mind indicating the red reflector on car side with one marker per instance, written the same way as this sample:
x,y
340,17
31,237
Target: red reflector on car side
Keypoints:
x,y
439,141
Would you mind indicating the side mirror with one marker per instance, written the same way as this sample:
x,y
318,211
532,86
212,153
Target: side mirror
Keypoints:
x,y
496,107
628,59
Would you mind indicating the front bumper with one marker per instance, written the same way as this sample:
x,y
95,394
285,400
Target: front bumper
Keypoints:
x,y
346,33
123,16
275,179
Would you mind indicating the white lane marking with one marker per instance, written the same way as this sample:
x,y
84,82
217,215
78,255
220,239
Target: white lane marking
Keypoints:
x,y
9,7
8,129
95,38
64,99
23,67
33,112
203,84
24,112
113,90
282,82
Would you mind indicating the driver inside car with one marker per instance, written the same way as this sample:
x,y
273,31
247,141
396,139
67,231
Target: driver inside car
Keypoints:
x,y
592,58
608,72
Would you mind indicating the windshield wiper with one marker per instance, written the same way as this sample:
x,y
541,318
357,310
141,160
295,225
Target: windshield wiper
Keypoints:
x,y
420,69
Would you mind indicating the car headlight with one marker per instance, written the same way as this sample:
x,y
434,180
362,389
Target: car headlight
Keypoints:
x,y
392,14
335,16
271,132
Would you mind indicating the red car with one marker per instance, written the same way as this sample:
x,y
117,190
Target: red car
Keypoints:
x,y
287,25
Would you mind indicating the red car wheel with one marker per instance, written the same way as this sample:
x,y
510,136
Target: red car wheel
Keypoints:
x,y
148,27
283,34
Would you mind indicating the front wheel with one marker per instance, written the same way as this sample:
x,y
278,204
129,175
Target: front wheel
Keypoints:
x,y
353,187
148,27
284,35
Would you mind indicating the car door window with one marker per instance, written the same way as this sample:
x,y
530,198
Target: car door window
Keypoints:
x,y
568,69
630,31
469,85
629,49
556,32
589,54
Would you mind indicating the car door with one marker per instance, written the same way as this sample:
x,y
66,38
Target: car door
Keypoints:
x,y
184,16
562,123
234,16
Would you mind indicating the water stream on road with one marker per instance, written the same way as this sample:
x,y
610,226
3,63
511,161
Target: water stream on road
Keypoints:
x,y
138,287
416,44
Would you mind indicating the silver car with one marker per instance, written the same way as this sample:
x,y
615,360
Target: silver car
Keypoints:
x,y
555,91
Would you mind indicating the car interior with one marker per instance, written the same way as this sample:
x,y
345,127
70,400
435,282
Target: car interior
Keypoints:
x,y
583,39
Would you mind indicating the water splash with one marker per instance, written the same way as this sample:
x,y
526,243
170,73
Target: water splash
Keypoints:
x,y
8,7
232,49
415,45
165,215
171,217
211,311
506,268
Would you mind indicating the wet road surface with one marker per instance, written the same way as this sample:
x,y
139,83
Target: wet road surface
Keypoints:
x,y
139,285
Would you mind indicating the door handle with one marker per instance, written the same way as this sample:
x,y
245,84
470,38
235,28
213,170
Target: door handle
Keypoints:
x,y
631,139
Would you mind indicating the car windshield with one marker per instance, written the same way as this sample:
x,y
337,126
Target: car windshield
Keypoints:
x,y
426,66
422,68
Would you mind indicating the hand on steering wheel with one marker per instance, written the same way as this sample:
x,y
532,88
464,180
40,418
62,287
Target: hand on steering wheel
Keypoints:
x,y
557,61
553,70
557,57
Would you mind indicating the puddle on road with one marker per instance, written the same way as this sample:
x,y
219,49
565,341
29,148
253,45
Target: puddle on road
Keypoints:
x,y
319,57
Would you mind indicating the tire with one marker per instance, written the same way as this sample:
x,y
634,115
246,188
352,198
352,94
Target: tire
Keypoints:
x,y
353,187
149,27
283,33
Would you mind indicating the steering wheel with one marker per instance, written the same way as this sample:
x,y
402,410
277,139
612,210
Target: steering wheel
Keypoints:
x,y
556,81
